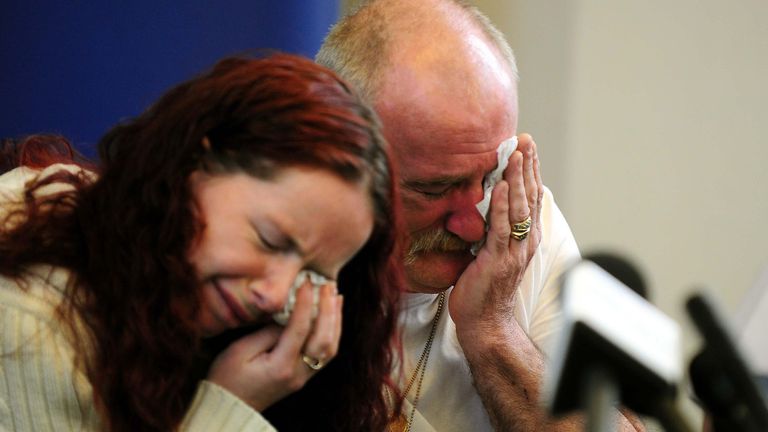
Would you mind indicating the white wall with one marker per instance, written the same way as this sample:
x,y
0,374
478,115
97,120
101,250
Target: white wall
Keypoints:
x,y
651,119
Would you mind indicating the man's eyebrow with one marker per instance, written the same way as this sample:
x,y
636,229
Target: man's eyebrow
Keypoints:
x,y
438,181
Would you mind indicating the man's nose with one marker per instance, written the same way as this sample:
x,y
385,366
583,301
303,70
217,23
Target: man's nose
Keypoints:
x,y
465,220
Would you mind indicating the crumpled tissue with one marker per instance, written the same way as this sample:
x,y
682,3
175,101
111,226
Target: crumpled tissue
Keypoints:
x,y
503,152
317,280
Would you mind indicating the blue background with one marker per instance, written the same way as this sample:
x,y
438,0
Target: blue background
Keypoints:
x,y
77,68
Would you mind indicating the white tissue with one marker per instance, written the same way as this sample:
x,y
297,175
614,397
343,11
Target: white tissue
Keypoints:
x,y
503,152
317,280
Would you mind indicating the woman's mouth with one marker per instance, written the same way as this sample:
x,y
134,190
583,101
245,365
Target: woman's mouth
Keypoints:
x,y
237,311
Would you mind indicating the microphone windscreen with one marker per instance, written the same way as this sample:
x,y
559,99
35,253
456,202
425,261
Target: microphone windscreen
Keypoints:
x,y
605,323
620,268
720,376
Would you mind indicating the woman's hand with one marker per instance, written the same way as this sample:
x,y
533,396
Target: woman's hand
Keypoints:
x,y
271,363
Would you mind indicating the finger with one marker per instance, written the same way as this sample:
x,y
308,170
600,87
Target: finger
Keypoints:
x,y
338,315
248,353
254,344
518,202
340,319
532,190
321,342
497,239
298,328
539,183
537,169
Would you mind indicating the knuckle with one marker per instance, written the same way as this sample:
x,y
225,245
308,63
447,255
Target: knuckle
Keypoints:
x,y
295,384
501,246
502,236
522,214
284,374
302,332
529,151
332,351
237,350
317,352
273,331
533,196
328,345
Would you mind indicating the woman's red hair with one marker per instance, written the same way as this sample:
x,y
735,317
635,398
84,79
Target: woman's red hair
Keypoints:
x,y
126,236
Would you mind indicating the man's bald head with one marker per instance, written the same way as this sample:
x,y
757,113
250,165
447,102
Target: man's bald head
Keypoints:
x,y
444,84
363,44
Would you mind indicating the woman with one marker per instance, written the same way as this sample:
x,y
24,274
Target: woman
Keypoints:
x,y
141,298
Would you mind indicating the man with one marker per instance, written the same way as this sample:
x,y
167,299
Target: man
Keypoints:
x,y
444,83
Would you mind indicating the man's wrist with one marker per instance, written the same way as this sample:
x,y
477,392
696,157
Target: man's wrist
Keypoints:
x,y
487,334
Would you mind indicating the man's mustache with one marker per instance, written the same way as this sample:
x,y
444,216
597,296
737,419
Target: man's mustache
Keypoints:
x,y
435,240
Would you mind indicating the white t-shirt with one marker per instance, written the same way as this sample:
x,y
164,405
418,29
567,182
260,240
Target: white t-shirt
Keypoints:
x,y
448,401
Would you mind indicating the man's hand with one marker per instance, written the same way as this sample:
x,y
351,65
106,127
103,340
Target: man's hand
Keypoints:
x,y
506,366
484,294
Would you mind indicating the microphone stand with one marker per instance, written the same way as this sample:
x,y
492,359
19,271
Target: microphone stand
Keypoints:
x,y
600,396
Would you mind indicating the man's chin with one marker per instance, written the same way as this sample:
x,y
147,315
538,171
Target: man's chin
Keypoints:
x,y
434,272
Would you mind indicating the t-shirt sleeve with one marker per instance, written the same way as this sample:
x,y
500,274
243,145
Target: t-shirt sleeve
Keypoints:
x,y
558,252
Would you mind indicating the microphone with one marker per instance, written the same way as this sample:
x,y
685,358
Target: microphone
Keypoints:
x,y
721,379
614,347
620,268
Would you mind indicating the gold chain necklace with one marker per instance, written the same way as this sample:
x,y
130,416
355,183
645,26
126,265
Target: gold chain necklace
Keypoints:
x,y
421,369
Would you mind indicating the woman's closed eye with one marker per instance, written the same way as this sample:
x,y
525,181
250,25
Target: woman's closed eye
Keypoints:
x,y
275,242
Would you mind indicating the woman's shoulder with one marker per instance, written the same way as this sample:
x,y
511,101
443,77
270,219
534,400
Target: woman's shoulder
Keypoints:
x,y
38,293
47,388
31,318
14,182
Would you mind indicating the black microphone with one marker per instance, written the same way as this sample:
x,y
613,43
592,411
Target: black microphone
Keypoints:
x,y
613,347
619,267
720,376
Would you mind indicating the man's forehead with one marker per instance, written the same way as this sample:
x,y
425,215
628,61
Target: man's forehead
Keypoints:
x,y
456,146
426,132
456,138
445,167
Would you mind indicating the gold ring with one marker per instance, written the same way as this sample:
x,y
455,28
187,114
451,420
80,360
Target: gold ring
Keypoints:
x,y
520,230
313,363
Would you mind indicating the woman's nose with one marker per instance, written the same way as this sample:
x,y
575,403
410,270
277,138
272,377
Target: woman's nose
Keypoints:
x,y
270,293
